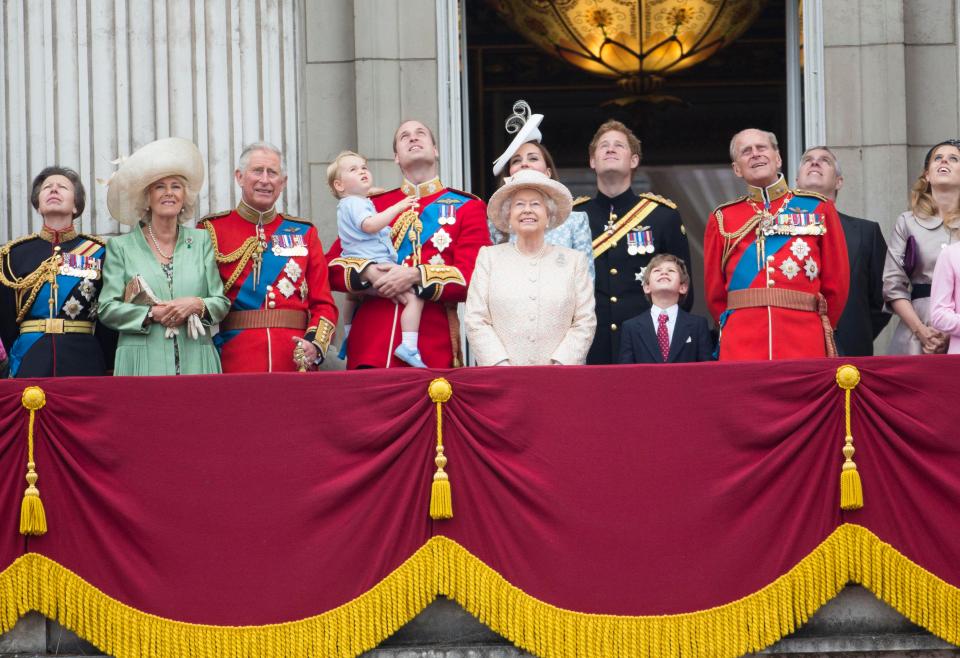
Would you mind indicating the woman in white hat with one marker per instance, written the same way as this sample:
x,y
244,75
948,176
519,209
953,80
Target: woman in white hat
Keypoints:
x,y
526,151
530,302
162,290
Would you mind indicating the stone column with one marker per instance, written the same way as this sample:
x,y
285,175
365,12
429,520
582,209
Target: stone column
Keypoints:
x,y
866,110
88,82
370,64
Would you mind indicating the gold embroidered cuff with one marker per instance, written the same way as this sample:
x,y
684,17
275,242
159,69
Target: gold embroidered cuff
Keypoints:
x,y
433,278
352,269
322,335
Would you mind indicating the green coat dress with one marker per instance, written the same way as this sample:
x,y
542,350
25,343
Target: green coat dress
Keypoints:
x,y
144,350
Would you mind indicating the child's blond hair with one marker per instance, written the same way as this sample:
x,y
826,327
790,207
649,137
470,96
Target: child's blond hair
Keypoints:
x,y
333,170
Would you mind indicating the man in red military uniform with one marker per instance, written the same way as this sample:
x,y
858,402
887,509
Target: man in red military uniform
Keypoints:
x,y
282,314
776,271
438,244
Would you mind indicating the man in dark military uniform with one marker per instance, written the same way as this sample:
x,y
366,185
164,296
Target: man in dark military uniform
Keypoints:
x,y
628,229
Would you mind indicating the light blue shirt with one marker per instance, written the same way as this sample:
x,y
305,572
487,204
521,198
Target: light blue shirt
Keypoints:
x,y
354,243
573,233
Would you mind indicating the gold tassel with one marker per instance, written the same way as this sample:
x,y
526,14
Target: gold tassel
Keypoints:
x,y
441,502
33,518
851,490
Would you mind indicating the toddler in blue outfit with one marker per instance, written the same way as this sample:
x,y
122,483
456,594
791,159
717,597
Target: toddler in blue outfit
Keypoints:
x,y
365,233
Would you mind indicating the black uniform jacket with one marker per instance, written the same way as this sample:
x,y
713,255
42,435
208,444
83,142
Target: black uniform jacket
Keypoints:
x,y
49,354
621,255
863,317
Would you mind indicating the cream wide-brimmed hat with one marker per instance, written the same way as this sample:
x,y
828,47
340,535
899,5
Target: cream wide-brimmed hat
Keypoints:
x,y
526,125
528,179
172,156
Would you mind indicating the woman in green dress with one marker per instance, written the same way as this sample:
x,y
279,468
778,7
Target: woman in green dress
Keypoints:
x,y
161,287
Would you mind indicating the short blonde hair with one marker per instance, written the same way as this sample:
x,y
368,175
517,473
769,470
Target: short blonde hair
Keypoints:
x,y
333,170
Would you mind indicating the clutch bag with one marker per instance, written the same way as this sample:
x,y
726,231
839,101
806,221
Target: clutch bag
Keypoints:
x,y
910,257
138,292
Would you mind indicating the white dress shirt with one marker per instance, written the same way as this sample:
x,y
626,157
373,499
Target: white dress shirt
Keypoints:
x,y
671,312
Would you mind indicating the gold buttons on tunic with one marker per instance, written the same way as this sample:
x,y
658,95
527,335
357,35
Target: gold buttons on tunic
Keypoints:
x,y
613,327
613,300
613,271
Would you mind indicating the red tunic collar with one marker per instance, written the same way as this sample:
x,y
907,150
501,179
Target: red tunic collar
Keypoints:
x,y
254,216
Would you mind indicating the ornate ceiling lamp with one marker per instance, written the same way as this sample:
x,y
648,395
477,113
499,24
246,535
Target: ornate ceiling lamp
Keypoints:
x,y
635,42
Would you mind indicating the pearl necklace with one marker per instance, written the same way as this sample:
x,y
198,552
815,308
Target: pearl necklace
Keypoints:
x,y
531,256
157,244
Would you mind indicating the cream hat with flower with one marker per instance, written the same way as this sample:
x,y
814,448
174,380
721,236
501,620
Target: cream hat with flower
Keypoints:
x,y
528,179
172,156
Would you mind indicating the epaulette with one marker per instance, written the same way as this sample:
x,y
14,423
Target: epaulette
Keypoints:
x,y
581,199
464,193
214,215
730,203
298,220
659,199
95,238
10,245
816,195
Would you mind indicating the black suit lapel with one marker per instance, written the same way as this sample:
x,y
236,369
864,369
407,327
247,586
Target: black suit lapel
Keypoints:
x,y
852,236
681,332
649,337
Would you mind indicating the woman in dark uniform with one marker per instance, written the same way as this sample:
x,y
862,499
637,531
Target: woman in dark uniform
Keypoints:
x,y
49,287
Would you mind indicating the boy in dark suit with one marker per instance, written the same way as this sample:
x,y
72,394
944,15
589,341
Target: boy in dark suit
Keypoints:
x,y
666,333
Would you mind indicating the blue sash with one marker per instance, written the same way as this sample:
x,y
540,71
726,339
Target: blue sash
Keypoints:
x,y
445,205
250,298
747,270
39,310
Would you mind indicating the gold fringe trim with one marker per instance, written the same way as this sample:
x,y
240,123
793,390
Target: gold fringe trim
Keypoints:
x,y
441,566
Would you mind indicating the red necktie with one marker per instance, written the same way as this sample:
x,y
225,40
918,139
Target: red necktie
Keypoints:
x,y
663,336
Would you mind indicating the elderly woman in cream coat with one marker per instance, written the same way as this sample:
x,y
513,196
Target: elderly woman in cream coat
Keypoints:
x,y
529,302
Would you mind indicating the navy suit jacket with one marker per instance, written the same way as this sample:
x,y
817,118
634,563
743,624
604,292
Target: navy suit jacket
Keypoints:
x,y
692,340
863,316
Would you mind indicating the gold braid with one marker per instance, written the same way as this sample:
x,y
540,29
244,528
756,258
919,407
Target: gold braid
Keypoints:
x,y
732,239
242,254
45,273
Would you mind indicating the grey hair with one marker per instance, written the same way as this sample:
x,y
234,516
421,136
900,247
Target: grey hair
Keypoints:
x,y
547,201
248,150
733,142
836,161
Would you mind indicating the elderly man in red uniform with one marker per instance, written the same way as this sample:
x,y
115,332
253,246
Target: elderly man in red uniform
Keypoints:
x,y
438,243
775,262
282,314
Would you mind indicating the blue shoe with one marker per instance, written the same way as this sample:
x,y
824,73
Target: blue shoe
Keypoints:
x,y
411,357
